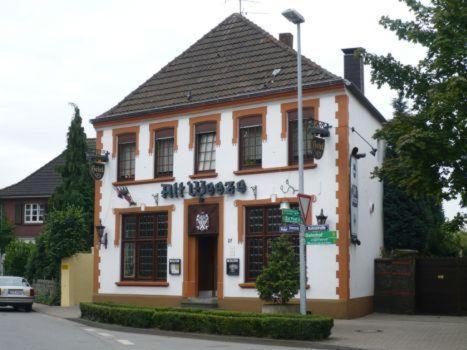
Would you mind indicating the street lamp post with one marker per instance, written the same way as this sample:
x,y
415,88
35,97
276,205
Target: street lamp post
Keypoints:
x,y
296,18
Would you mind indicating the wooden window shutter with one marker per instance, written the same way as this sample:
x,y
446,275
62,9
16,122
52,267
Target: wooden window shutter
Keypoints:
x,y
18,213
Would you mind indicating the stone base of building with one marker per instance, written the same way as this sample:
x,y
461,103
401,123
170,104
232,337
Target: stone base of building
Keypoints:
x,y
340,309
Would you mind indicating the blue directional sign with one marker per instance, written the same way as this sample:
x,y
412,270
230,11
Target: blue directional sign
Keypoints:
x,y
289,228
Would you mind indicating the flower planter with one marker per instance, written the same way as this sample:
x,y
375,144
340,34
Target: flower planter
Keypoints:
x,y
280,308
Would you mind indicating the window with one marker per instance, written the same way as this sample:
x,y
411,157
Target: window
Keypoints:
x,y
144,247
164,145
34,213
262,226
126,157
205,159
250,147
307,136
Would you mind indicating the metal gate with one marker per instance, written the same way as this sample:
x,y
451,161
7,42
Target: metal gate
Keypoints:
x,y
441,285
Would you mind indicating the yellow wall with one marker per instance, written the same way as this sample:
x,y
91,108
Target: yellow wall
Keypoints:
x,y
76,284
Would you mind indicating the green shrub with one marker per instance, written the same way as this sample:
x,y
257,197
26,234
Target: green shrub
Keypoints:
x,y
16,256
309,327
280,280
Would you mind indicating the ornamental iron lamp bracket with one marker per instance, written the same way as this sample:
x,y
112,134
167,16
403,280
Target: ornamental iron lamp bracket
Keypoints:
x,y
255,190
373,150
289,188
101,234
320,128
97,155
156,198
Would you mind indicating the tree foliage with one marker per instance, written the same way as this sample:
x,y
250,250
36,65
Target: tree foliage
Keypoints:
x,y
280,280
77,187
6,232
16,256
430,139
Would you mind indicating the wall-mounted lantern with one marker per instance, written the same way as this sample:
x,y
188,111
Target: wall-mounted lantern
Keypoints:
x,y
102,234
321,218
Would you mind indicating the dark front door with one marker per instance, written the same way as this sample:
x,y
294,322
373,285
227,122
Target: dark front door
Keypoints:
x,y
207,265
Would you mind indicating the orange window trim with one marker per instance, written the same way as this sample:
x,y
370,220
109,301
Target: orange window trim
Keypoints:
x,y
207,118
97,212
121,131
236,115
153,127
286,107
342,195
119,212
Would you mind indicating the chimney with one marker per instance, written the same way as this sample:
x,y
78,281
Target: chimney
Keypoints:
x,y
287,39
353,68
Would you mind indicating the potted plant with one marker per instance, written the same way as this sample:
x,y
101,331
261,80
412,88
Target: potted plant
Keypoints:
x,y
280,280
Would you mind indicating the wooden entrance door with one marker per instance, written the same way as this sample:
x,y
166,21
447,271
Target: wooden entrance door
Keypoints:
x,y
207,266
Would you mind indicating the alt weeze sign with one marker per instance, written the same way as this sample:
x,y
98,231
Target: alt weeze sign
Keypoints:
x,y
200,189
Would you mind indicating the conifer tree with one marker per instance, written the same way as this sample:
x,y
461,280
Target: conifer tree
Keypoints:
x,y
77,187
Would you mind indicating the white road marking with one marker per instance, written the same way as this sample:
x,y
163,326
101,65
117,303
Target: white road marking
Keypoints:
x,y
105,334
89,329
125,342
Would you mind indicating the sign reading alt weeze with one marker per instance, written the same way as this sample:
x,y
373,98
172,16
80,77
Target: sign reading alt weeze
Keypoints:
x,y
201,189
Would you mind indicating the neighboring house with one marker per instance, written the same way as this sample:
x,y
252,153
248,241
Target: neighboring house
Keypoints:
x,y
25,203
203,154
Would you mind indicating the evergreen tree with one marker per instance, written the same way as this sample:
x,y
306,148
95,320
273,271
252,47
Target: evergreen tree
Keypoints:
x,y
77,187
280,280
6,231
409,222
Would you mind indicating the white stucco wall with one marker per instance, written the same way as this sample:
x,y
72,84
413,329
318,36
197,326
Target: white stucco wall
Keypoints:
x,y
370,225
321,260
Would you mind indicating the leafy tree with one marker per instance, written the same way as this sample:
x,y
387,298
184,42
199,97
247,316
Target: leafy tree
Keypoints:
x,y
65,235
77,188
6,232
447,240
16,256
430,140
280,280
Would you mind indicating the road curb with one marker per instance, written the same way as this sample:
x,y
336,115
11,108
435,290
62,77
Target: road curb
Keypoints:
x,y
213,337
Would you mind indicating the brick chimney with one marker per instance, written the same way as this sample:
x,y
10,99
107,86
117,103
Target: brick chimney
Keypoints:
x,y
287,39
353,68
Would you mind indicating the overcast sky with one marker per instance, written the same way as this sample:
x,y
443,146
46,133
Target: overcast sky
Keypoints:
x,y
95,52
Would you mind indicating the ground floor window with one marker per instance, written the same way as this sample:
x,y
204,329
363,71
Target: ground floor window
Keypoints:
x,y
262,226
144,247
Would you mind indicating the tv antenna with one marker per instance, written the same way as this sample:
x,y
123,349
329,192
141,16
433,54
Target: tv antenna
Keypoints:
x,y
241,7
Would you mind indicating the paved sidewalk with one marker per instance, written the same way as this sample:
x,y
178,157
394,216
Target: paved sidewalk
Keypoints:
x,y
58,311
401,332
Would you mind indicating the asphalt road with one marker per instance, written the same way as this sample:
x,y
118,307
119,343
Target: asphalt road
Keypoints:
x,y
37,331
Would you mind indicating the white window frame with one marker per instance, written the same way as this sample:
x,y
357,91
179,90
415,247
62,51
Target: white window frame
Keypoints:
x,y
34,213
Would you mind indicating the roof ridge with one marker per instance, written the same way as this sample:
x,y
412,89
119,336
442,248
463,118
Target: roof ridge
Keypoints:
x,y
31,174
279,43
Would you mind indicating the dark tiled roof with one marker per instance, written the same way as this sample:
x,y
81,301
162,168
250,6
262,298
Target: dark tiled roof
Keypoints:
x,y
42,182
235,59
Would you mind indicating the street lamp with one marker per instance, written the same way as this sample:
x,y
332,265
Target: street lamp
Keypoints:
x,y
296,18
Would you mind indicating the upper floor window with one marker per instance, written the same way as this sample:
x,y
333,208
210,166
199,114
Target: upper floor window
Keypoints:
x,y
34,213
205,157
250,146
164,151
144,247
307,136
126,156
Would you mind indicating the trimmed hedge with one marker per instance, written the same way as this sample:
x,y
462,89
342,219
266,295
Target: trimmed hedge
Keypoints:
x,y
279,326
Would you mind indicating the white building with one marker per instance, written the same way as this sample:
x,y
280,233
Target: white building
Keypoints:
x,y
221,118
